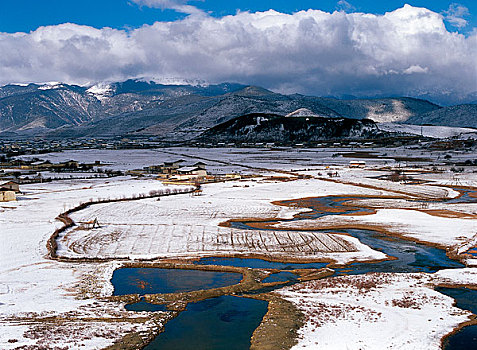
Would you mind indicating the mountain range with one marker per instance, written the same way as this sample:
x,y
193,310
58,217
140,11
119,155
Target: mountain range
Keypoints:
x,y
183,112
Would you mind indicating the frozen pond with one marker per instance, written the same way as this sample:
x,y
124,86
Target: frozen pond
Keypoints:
x,y
154,280
219,323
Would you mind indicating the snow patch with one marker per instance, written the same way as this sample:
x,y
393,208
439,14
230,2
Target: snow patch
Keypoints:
x,y
51,85
174,81
428,130
101,91
379,114
374,311
302,112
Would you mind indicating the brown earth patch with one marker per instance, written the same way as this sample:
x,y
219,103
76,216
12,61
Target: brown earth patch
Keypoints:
x,y
370,211
374,155
251,281
272,258
279,327
448,214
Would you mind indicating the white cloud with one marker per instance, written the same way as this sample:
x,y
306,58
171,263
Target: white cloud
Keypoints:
x,y
311,52
177,5
456,14
415,69
345,6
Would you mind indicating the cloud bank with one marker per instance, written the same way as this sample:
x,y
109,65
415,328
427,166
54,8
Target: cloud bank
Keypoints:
x,y
405,52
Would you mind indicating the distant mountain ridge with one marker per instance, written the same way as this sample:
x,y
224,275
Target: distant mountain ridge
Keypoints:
x,y
457,116
182,112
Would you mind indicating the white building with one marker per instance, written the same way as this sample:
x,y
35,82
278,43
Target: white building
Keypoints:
x,y
190,172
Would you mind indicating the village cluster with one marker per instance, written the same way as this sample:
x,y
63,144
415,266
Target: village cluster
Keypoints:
x,y
26,172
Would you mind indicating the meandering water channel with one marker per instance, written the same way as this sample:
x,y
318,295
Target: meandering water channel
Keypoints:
x,y
227,322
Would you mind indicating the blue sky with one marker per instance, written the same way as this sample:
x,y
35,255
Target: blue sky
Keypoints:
x,y
28,15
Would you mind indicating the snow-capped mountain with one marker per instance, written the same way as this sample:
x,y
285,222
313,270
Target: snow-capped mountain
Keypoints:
x,y
176,111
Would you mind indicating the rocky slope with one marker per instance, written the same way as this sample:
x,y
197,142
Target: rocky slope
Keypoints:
x,y
262,127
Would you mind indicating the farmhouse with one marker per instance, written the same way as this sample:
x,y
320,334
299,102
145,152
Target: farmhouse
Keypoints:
x,y
7,195
191,172
11,185
171,167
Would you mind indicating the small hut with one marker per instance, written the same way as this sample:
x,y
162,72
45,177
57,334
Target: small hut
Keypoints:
x,y
7,195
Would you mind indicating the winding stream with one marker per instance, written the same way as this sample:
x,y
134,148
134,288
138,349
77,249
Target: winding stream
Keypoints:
x,y
227,322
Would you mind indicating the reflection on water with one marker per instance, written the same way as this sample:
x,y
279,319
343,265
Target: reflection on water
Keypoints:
x,y
220,323
283,276
155,280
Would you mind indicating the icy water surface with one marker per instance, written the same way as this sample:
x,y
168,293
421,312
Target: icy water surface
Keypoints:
x,y
258,263
411,256
155,280
283,276
465,299
465,198
219,323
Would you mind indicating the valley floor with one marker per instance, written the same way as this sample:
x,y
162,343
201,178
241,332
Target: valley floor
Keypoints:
x,y
64,304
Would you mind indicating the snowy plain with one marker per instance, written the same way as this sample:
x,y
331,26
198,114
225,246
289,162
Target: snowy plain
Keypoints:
x,y
189,226
373,311
33,287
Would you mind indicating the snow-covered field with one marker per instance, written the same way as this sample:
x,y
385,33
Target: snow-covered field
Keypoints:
x,y
373,311
427,130
227,160
34,289
408,223
43,301
189,226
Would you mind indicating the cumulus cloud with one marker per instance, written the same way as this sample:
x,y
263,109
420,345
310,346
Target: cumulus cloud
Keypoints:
x,y
405,52
456,14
